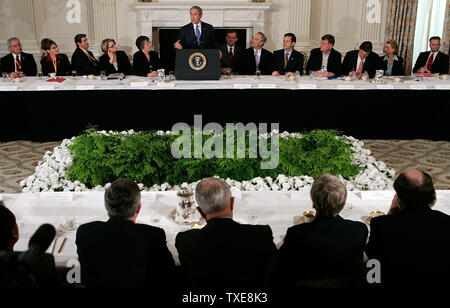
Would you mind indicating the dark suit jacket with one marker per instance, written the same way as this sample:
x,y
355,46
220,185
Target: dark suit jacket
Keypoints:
x,y
189,41
225,254
324,248
247,63
123,64
295,62
141,66
225,62
351,61
83,65
398,68
29,67
45,273
120,253
440,64
413,248
334,62
63,67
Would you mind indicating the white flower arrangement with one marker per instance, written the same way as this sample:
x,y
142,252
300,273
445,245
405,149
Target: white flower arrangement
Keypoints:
x,y
50,174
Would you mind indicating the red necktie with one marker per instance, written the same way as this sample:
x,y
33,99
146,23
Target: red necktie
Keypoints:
x,y
230,54
18,64
430,62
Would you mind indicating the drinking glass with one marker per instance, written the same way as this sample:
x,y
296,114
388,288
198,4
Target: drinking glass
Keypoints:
x,y
103,75
40,75
172,76
5,76
74,74
347,211
155,215
252,216
258,74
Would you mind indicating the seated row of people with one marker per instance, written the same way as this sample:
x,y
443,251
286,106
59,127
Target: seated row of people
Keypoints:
x,y
324,61
411,243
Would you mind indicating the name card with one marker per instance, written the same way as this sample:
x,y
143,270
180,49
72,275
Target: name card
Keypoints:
x,y
57,196
45,88
242,86
442,87
418,87
148,197
138,84
377,195
345,87
9,88
267,86
86,87
300,195
308,86
165,85
385,86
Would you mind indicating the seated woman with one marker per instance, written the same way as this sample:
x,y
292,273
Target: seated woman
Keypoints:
x,y
391,63
145,61
54,62
113,61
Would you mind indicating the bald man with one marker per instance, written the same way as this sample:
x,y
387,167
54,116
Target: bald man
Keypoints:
x,y
412,242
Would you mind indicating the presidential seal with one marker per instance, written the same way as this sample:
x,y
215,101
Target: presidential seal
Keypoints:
x,y
197,61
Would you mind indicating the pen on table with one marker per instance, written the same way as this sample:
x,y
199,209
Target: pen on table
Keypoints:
x,y
62,245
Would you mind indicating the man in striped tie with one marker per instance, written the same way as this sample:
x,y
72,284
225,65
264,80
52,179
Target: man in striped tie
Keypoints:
x,y
84,61
18,64
288,61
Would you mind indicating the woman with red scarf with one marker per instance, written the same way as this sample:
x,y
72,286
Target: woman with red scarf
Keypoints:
x,y
54,62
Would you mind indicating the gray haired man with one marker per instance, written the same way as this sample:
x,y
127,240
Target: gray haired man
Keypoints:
x,y
120,253
224,253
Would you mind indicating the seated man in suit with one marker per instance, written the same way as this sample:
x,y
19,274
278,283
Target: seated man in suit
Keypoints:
x,y
224,253
83,61
256,58
412,242
113,61
356,62
434,61
197,34
119,252
288,60
231,52
325,61
18,64
44,272
329,248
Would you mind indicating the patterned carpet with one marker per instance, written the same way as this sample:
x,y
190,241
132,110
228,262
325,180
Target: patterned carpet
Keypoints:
x,y
18,159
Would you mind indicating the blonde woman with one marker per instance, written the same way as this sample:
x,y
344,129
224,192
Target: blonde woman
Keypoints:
x,y
113,61
391,63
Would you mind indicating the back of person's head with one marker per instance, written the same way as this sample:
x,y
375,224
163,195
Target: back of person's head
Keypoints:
x,y
7,226
78,38
140,41
122,199
415,189
212,195
329,38
366,46
328,195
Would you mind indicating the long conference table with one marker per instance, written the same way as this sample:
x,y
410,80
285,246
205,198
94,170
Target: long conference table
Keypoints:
x,y
38,110
280,210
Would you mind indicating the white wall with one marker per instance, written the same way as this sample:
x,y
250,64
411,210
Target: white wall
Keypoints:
x,y
32,20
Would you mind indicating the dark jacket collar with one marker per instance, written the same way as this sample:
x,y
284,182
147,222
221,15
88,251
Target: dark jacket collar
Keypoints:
x,y
116,220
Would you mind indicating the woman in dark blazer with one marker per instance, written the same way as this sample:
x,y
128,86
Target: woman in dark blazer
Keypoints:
x,y
145,62
113,61
54,62
391,63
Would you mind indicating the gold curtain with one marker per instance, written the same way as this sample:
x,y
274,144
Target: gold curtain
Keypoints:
x,y
446,33
401,26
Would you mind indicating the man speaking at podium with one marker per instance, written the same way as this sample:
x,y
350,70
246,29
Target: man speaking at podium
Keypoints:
x,y
198,34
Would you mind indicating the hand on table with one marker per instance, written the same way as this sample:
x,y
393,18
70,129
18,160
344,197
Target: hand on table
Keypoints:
x,y
152,74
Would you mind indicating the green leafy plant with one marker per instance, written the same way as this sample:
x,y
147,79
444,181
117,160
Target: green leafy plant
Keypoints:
x,y
146,157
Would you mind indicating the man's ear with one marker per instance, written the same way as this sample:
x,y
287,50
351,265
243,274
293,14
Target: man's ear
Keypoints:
x,y
15,233
201,212
139,208
232,203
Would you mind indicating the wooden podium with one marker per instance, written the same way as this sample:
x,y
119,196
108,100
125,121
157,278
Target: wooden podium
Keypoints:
x,y
197,64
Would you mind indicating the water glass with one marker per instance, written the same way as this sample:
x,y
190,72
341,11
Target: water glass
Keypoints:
x,y
347,211
172,76
40,75
252,216
155,215
103,75
74,74
5,76
258,74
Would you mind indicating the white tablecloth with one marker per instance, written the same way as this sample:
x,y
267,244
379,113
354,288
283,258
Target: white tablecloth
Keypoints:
x,y
277,209
233,82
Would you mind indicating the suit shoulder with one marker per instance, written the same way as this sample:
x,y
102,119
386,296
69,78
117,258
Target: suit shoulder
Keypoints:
x,y
279,52
337,52
266,52
187,235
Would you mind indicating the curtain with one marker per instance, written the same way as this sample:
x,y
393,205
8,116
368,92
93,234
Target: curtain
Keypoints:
x,y
401,26
446,33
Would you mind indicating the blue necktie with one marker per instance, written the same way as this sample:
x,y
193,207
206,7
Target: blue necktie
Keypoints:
x,y
197,33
